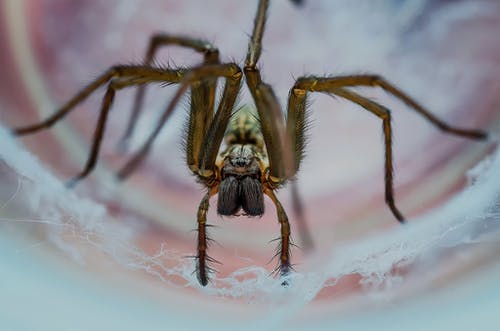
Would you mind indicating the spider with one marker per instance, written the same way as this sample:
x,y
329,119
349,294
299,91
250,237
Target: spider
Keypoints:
x,y
263,149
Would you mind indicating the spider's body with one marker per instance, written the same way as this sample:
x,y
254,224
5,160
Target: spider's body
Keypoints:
x,y
263,149
243,166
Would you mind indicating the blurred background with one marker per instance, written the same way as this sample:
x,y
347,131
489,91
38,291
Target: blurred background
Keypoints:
x,y
113,255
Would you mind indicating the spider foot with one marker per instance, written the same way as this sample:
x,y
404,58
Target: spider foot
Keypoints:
x,y
285,270
70,184
204,268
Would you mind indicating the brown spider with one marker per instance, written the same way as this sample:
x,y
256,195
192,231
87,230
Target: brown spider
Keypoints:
x,y
264,148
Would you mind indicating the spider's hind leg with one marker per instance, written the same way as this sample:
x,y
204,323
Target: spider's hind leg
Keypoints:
x,y
273,131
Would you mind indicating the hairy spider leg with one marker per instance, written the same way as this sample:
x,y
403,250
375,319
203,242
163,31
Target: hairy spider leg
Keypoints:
x,y
208,145
209,142
325,84
118,77
202,96
202,269
335,85
273,131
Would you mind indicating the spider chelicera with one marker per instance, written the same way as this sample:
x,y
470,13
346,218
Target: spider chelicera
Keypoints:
x,y
263,150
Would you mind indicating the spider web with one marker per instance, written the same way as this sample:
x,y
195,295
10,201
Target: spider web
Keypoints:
x,y
470,217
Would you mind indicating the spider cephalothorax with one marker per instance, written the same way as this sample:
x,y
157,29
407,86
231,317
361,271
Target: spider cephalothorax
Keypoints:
x,y
242,165
263,149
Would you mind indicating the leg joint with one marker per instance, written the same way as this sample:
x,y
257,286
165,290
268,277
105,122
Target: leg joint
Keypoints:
x,y
385,115
304,84
377,79
211,53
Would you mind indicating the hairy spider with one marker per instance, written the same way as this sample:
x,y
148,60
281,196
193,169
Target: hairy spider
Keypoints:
x,y
263,150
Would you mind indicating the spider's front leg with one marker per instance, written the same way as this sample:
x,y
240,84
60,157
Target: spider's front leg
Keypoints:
x,y
296,118
273,130
203,143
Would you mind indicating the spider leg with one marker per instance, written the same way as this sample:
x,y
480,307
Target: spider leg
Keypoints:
x,y
113,86
279,154
295,125
119,77
326,84
66,108
201,257
148,74
202,96
98,134
204,167
209,146
296,117
273,130
268,108
384,114
284,252
255,44
272,127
